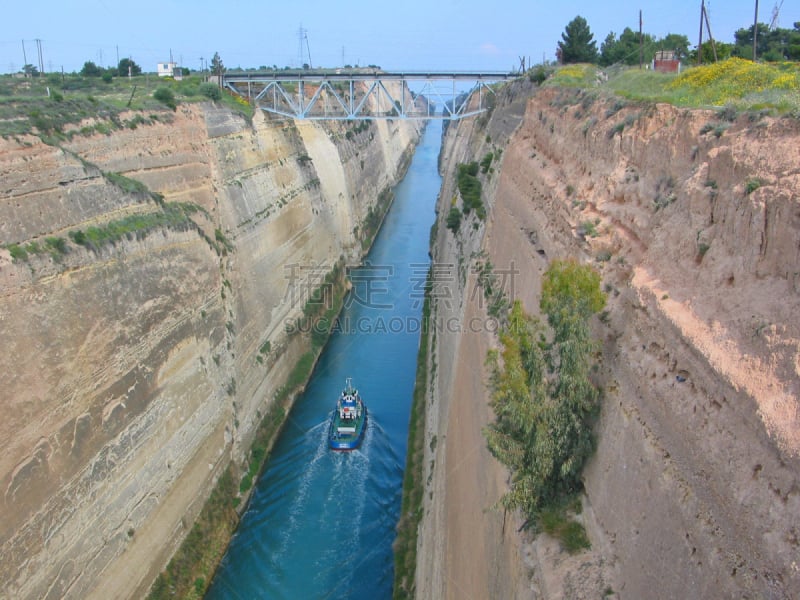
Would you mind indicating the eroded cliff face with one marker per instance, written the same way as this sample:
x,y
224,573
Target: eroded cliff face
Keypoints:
x,y
132,372
693,221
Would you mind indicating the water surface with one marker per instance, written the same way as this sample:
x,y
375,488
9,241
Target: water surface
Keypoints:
x,y
321,524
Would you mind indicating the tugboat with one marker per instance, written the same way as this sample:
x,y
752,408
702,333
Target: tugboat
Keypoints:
x,y
348,421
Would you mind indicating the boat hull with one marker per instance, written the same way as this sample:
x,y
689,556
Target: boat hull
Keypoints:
x,y
349,440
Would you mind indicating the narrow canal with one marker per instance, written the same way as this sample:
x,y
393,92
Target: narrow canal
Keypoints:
x,y
321,523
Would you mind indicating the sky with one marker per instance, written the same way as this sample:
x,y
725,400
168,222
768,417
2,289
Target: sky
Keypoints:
x,y
458,35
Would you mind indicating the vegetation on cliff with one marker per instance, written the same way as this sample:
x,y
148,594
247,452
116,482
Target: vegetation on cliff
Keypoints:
x,y
58,107
191,569
411,511
738,83
543,397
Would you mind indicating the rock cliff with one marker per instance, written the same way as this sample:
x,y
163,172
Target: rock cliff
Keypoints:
x,y
140,354
693,219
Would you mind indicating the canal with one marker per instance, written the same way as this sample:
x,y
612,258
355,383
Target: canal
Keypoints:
x,y
321,524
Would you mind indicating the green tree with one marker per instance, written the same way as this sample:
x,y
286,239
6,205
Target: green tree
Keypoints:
x,y
30,71
625,50
166,96
91,70
211,91
577,43
542,395
122,68
724,51
217,68
678,43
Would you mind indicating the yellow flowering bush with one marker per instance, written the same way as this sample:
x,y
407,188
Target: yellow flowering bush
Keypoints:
x,y
573,75
733,79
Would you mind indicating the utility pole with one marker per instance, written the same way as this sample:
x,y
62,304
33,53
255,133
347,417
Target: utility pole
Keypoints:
x,y
24,56
700,42
755,33
710,35
41,59
641,42
117,54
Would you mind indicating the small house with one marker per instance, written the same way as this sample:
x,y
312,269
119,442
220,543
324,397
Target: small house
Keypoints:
x,y
666,61
169,69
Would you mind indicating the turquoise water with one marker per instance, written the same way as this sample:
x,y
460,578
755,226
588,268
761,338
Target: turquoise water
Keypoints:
x,y
321,523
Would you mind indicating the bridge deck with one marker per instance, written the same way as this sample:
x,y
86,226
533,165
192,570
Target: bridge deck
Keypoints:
x,y
341,75
362,94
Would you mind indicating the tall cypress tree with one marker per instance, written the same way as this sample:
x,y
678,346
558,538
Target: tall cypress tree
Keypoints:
x,y
577,43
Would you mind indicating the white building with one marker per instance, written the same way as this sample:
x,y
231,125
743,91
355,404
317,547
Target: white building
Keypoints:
x,y
169,69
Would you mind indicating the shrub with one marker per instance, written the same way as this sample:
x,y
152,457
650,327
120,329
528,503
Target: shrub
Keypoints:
x,y
470,188
57,245
486,162
454,219
538,75
166,97
17,252
752,185
541,392
211,91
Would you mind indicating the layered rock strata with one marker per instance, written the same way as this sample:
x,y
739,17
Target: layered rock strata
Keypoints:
x,y
692,217
135,368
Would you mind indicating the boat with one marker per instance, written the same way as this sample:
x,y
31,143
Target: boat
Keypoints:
x,y
348,420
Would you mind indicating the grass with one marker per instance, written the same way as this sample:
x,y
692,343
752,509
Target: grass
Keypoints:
x,y
554,521
734,85
405,545
92,106
173,215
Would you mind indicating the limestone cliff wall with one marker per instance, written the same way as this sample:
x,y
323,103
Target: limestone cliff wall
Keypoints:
x,y
132,372
692,217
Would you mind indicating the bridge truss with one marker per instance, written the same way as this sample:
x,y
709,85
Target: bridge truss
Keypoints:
x,y
365,95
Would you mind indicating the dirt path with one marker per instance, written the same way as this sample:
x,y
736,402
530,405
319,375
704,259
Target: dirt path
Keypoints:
x,y
482,560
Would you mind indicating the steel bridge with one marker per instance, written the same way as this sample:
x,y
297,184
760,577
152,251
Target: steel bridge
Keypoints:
x,y
365,94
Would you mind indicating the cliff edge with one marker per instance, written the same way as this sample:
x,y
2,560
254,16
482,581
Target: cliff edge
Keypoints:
x,y
145,286
692,217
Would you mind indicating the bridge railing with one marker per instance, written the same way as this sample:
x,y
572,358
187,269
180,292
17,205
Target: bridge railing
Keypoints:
x,y
365,94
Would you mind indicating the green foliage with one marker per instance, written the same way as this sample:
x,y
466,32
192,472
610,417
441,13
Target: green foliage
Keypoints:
x,y
217,68
493,293
265,347
125,64
203,547
411,512
570,290
470,188
127,184
625,50
454,219
17,252
571,534
486,162
56,245
542,395
91,70
577,43
752,185
539,74
777,44
166,96
210,90
173,215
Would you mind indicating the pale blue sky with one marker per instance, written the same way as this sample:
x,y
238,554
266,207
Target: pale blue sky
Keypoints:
x,y
409,34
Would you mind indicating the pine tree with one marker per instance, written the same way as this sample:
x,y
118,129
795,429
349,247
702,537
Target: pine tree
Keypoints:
x,y
217,68
577,43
